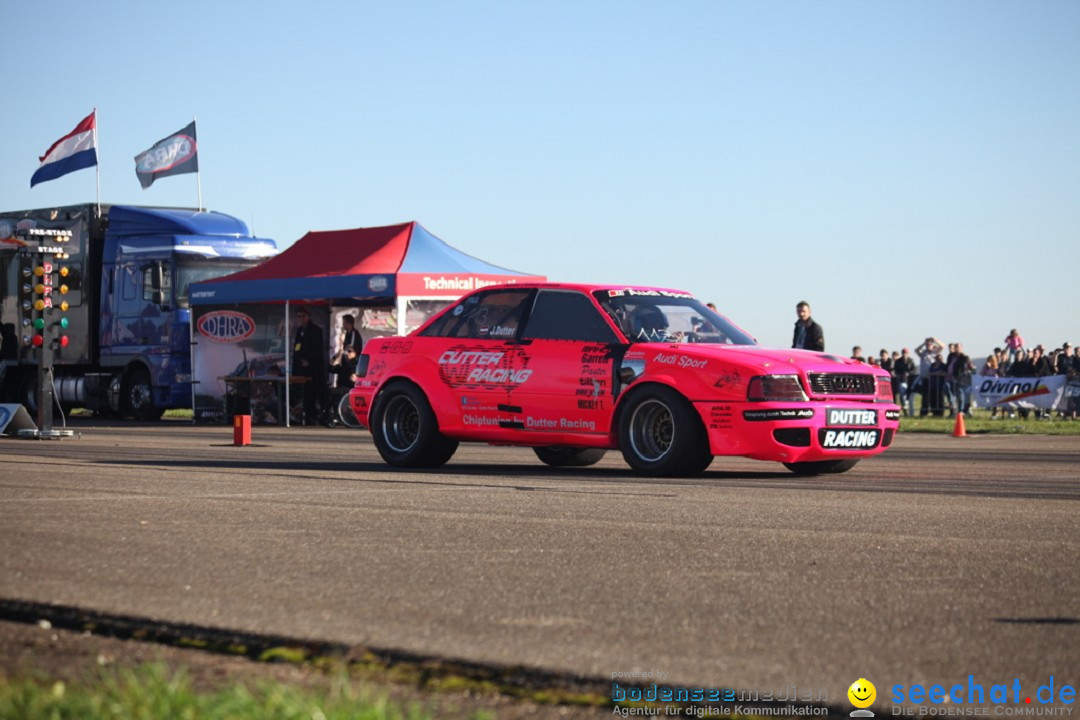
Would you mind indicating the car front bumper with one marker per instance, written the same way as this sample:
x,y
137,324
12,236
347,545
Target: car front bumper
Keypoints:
x,y
799,432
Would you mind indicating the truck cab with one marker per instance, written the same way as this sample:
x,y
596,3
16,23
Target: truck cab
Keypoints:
x,y
126,346
151,257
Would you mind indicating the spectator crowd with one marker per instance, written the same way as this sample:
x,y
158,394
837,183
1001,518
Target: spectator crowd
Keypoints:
x,y
942,380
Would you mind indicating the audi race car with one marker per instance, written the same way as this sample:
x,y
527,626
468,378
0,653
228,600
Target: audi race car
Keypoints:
x,y
576,370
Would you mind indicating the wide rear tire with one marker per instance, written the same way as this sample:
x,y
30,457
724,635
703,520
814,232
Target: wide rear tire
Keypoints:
x,y
569,456
405,429
821,467
661,434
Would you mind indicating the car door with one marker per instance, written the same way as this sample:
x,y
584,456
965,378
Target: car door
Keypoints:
x,y
479,361
573,352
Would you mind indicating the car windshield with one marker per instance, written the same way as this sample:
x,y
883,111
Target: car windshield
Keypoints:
x,y
666,316
196,269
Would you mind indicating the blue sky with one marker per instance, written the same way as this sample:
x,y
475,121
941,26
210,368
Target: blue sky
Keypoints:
x,y
911,168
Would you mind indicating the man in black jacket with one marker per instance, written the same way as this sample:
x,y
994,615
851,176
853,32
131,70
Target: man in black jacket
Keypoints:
x,y
808,334
902,380
309,361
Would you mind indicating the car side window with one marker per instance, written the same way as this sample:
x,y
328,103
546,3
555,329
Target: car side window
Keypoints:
x,y
567,315
494,315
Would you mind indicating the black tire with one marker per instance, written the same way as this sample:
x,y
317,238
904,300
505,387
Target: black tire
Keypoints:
x,y
661,434
405,430
560,456
137,395
821,467
345,412
28,393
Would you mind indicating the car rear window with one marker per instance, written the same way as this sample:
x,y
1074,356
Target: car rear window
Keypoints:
x,y
494,315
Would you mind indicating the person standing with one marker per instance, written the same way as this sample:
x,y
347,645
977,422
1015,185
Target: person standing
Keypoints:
x,y
350,335
1014,343
1064,362
885,361
962,370
903,370
935,394
309,361
926,352
808,334
951,361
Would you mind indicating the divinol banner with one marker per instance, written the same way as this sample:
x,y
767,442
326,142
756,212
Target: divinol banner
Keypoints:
x,y
174,155
238,362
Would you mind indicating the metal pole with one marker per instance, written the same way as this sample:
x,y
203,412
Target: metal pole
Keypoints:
x,y
198,172
97,166
288,368
191,358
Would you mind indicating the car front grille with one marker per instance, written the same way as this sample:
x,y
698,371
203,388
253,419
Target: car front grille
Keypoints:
x,y
841,384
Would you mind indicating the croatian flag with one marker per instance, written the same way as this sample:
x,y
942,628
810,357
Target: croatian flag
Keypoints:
x,y
74,151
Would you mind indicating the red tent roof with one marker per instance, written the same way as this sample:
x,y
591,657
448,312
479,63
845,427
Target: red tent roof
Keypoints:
x,y
363,263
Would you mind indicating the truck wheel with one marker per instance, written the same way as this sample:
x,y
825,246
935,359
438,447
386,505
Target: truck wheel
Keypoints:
x,y
405,430
821,467
569,456
137,395
28,393
660,433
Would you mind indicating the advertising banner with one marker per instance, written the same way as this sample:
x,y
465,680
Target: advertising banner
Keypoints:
x,y
238,361
1032,393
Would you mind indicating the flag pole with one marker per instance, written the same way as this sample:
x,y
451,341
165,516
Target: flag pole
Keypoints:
x,y
198,173
97,165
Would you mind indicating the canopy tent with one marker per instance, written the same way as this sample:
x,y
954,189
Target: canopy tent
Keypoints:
x,y
398,274
393,261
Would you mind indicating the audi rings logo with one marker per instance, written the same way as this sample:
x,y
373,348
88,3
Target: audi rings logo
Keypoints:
x,y
226,326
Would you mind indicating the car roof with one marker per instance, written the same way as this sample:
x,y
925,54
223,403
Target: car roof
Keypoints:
x,y
585,287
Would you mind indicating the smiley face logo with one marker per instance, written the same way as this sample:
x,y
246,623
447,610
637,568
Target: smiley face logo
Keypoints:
x,y
862,693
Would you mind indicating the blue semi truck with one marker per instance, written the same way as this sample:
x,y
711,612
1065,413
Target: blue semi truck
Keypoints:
x,y
123,274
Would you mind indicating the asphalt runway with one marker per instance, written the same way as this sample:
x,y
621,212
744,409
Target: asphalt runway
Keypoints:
x,y
943,558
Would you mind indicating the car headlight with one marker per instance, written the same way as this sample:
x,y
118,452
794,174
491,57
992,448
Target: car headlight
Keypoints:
x,y
884,390
776,388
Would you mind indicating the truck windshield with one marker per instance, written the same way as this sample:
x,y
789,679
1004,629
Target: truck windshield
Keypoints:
x,y
646,315
197,269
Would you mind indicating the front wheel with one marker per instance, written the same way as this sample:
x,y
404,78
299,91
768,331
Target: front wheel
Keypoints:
x,y
569,456
137,395
345,412
660,433
405,430
821,467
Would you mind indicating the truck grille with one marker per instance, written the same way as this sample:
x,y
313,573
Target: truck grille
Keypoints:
x,y
841,384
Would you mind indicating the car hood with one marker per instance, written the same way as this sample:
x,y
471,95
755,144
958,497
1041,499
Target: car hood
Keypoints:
x,y
754,357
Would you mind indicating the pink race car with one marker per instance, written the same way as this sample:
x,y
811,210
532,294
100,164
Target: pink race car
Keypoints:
x,y
576,370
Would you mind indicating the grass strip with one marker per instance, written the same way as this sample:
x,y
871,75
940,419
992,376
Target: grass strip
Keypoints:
x,y
154,691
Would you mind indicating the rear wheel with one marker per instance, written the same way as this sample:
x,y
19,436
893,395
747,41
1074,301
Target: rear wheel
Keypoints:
x,y
821,467
660,433
569,456
405,430
28,393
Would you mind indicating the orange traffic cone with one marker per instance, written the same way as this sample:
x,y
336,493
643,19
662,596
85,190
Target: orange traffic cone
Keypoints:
x,y
958,429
